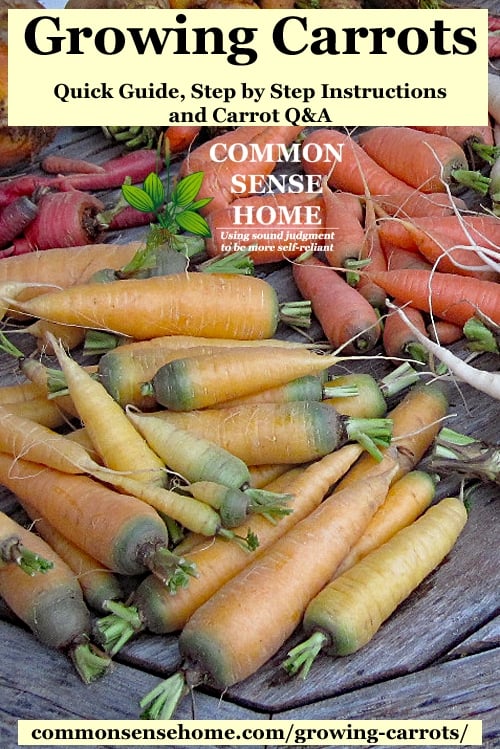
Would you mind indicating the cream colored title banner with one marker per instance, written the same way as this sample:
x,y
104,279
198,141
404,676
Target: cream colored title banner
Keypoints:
x,y
316,67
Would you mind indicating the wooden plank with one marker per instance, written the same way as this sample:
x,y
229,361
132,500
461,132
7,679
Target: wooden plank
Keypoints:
x,y
38,684
458,690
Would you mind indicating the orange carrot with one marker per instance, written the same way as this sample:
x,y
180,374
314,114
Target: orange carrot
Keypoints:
x,y
123,533
215,305
98,584
356,172
449,296
416,203
372,252
461,134
178,138
343,216
444,333
425,161
225,642
348,320
400,259
399,342
416,422
52,606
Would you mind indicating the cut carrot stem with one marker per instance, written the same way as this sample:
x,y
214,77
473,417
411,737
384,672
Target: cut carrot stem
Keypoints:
x,y
458,453
13,550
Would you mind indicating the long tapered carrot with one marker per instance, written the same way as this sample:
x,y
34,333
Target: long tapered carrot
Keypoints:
x,y
425,161
343,216
348,612
347,318
356,172
449,296
226,640
115,439
214,305
279,432
217,561
193,382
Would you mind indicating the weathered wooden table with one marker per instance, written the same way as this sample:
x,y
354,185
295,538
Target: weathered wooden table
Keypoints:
x,y
437,657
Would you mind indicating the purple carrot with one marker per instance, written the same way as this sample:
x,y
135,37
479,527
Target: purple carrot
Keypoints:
x,y
15,218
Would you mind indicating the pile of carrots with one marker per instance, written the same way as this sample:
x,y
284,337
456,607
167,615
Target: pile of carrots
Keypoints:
x,y
216,460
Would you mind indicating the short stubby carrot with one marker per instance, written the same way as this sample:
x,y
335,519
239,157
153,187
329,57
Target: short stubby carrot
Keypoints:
x,y
214,305
425,161
52,606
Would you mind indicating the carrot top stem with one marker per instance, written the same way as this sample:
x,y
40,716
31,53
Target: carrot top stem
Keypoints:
x,y
487,152
234,262
399,379
370,433
296,313
301,657
90,662
472,179
457,453
339,391
174,571
118,627
12,551
479,336
160,703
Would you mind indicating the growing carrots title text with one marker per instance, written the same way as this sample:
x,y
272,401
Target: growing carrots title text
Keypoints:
x,y
329,67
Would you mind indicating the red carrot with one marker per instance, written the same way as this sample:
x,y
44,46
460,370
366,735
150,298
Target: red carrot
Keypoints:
x,y
129,217
373,252
134,166
346,317
64,219
58,164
